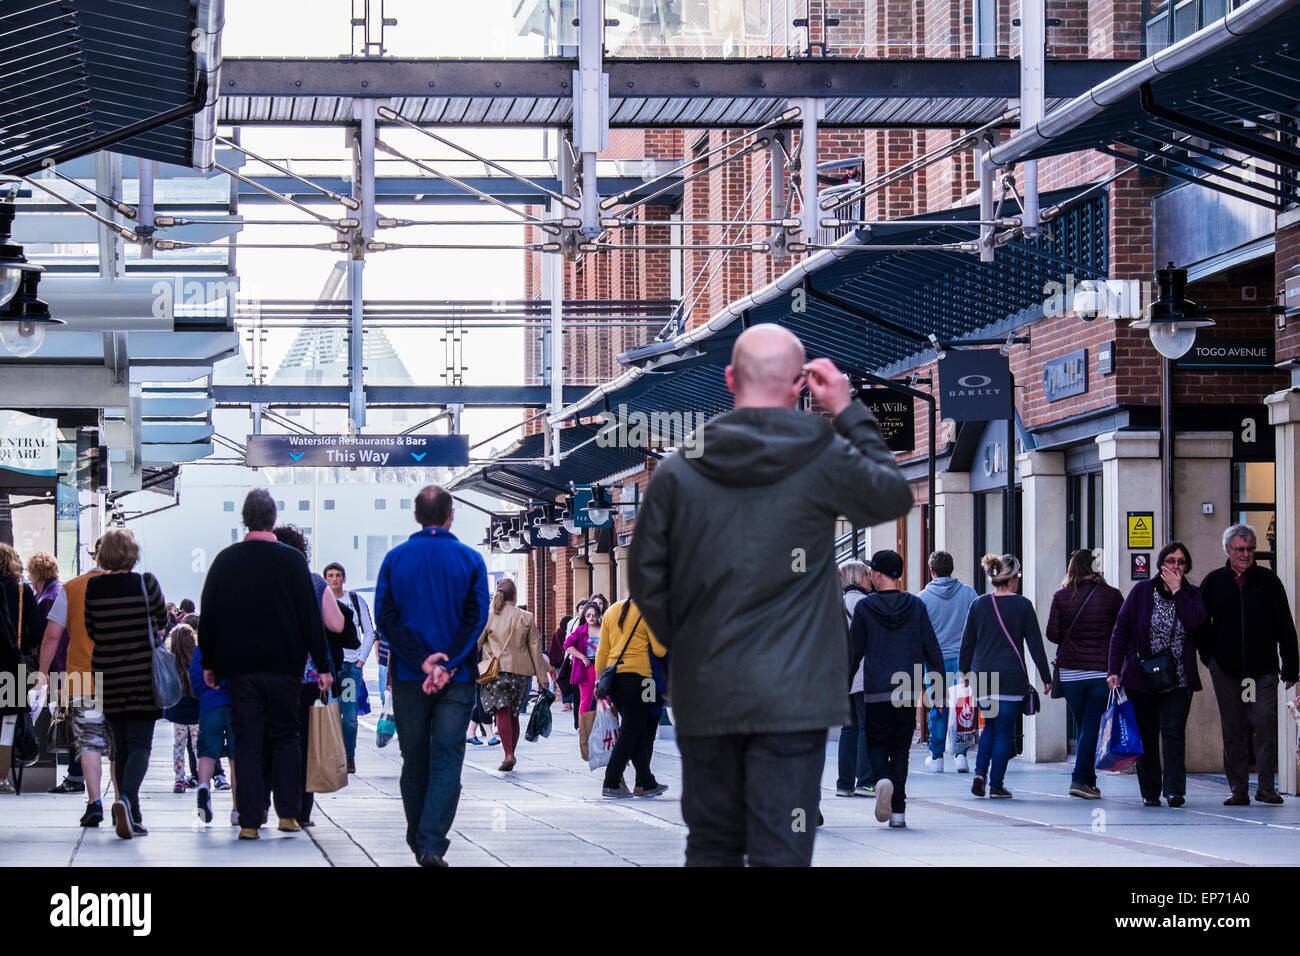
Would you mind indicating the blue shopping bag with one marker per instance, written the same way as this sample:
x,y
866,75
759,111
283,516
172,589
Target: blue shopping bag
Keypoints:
x,y
1119,744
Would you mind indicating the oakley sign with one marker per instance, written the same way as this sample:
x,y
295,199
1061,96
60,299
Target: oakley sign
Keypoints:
x,y
974,386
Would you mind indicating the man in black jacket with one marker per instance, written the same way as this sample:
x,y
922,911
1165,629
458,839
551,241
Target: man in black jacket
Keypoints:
x,y
1250,623
733,566
260,619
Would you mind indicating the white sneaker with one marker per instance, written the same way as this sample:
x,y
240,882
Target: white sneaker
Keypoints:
x,y
934,764
884,794
234,818
897,821
962,765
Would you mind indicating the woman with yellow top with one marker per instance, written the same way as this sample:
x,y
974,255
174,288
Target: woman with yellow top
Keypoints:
x,y
511,639
627,643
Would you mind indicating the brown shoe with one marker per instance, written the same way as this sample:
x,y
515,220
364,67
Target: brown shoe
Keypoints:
x,y
1237,800
507,765
289,826
352,765
1268,796
249,833
306,823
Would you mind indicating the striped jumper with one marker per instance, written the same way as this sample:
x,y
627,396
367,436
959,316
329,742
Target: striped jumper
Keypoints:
x,y
119,630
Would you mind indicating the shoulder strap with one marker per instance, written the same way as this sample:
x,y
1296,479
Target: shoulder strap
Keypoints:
x,y
1075,620
148,614
627,642
1010,639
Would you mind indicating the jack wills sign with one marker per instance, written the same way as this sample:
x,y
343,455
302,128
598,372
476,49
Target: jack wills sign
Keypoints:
x,y
895,414
975,386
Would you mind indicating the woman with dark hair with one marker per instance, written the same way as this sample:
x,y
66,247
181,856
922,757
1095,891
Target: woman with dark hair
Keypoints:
x,y
20,602
555,654
1081,621
511,641
1153,656
581,647
332,615
628,645
999,628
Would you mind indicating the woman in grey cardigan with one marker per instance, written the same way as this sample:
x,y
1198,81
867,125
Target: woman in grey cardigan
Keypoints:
x,y
998,629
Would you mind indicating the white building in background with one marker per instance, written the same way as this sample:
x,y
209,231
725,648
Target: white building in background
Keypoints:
x,y
350,515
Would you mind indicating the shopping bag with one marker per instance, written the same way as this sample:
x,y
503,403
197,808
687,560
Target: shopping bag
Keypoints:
x,y
604,734
1119,744
387,727
327,760
363,697
539,724
961,718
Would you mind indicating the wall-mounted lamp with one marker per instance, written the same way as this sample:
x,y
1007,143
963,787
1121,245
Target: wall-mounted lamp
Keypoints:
x,y
1172,320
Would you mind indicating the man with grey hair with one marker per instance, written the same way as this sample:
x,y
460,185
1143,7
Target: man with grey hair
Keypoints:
x,y
1250,625
854,762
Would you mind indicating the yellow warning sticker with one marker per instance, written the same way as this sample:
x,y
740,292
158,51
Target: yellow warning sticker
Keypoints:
x,y
1141,529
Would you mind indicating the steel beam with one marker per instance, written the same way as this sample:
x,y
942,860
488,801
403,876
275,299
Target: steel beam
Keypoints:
x,y
501,396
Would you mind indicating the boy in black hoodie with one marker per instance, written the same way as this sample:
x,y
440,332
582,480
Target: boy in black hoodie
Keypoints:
x,y
892,639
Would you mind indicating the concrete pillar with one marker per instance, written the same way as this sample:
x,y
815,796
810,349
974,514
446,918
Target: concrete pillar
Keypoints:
x,y
1284,414
1130,474
954,520
1042,483
621,561
600,577
1203,475
581,578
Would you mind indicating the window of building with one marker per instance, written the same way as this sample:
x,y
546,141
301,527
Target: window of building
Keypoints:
x,y
304,504
1083,512
227,506
1254,503
234,535
279,506
376,548
381,504
1173,20
356,543
989,531
329,504
406,504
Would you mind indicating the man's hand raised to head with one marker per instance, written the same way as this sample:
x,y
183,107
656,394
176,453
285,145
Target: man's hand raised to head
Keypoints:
x,y
828,385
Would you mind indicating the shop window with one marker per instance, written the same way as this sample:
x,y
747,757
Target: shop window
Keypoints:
x,y
989,533
1083,519
1254,503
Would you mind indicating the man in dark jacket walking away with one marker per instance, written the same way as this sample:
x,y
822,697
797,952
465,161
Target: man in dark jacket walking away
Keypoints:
x,y
1250,625
260,620
733,565
892,640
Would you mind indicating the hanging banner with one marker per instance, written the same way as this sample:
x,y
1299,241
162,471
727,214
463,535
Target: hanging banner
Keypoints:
x,y
975,386
356,451
895,414
29,450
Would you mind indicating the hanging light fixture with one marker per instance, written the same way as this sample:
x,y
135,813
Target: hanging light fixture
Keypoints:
x,y
1172,320
24,320
548,528
568,519
599,509
13,264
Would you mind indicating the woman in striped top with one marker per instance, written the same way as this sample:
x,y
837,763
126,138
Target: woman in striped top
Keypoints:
x,y
119,605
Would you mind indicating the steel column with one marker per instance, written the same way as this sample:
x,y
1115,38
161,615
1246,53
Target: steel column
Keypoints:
x,y
1033,56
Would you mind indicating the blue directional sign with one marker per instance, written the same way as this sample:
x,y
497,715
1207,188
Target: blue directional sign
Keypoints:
x,y
356,451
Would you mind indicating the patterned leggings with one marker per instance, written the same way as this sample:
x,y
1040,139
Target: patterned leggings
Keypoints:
x,y
183,733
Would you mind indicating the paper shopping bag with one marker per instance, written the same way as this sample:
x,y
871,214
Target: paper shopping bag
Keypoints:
x,y
327,760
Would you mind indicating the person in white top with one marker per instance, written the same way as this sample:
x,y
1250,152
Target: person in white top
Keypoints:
x,y
354,661
855,775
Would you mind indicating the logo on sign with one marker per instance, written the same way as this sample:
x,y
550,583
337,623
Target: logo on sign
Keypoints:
x,y
974,381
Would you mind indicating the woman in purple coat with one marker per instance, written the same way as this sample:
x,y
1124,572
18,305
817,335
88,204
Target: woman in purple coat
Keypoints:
x,y
1160,620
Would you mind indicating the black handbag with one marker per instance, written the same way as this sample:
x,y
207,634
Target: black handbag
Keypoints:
x,y
1159,671
605,683
62,734
1058,689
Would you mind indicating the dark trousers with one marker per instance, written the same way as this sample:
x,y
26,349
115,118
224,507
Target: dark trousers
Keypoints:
x,y
1087,701
132,742
889,738
1247,706
263,715
431,735
854,757
1162,724
752,796
636,732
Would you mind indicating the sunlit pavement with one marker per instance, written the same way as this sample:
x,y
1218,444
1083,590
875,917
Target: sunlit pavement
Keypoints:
x,y
548,811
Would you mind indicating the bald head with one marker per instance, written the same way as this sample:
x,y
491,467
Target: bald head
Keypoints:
x,y
766,362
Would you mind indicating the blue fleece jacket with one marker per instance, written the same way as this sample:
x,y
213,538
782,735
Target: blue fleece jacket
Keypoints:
x,y
948,601
432,597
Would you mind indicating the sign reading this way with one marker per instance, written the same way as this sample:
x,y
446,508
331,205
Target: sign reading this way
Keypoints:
x,y
895,414
356,451
1141,530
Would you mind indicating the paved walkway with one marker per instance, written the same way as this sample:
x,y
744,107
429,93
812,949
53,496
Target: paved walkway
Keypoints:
x,y
549,812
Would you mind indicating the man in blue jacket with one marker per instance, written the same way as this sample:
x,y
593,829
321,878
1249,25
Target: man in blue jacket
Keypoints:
x,y
432,600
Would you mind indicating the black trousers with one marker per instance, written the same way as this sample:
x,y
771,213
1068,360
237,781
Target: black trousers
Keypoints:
x,y
636,732
1162,724
752,797
263,717
132,743
1247,709
889,738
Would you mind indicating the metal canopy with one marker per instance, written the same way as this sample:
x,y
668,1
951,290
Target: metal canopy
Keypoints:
x,y
873,310
83,75
525,481
667,93
1196,108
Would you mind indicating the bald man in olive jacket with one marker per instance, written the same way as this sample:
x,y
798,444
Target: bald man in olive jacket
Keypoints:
x,y
733,565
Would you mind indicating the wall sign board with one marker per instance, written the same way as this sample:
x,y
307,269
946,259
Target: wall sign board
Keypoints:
x,y
1066,376
1141,529
975,386
896,415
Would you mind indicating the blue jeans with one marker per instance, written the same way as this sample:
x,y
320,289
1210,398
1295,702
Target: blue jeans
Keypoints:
x,y
854,762
1087,701
939,715
998,739
383,684
348,699
431,735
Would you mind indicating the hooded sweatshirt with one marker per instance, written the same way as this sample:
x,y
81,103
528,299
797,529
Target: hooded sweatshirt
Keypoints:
x,y
893,640
733,564
947,601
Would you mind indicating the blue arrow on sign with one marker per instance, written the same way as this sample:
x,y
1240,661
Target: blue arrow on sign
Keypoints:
x,y
420,456
297,457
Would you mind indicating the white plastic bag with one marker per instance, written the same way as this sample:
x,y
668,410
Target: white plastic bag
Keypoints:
x,y
604,734
963,726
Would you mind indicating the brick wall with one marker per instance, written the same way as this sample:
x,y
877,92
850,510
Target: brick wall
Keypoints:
x,y
1286,256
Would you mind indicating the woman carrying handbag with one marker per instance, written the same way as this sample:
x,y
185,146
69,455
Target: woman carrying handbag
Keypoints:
x,y
1153,657
1082,618
999,627
511,648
